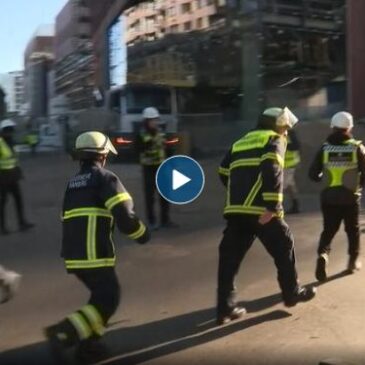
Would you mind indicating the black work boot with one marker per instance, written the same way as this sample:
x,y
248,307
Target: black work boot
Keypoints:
x,y
354,264
235,313
294,208
321,268
59,341
91,351
302,295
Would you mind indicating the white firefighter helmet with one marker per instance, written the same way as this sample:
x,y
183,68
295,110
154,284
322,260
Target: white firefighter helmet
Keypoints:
x,y
150,113
343,120
94,142
283,117
6,123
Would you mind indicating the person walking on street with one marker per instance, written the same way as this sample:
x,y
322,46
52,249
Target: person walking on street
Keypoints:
x,y
340,162
292,160
10,175
94,200
252,172
151,144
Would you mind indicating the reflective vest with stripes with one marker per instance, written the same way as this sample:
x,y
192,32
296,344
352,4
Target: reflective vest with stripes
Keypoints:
x,y
292,156
253,170
95,200
8,160
340,165
153,150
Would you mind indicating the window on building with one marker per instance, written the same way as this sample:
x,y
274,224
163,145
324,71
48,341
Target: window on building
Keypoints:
x,y
171,11
185,8
200,3
187,26
199,23
174,29
150,24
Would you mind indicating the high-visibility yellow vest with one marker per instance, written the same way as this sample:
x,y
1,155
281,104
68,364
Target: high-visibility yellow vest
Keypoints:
x,y
292,156
340,165
8,159
155,153
31,139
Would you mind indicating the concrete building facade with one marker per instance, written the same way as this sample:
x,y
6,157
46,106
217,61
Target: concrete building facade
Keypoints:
x,y
13,86
74,59
38,61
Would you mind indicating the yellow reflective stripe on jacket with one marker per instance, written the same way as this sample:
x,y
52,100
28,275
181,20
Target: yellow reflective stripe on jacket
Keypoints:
x,y
139,233
276,197
94,318
273,156
81,212
89,264
244,209
81,326
292,159
243,162
223,171
255,189
252,140
119,198
252,210
91,235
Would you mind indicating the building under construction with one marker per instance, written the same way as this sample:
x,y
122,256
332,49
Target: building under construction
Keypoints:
x,y
247,52
74,58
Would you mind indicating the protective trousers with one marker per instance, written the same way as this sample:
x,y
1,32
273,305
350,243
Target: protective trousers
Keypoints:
x,y
90,321
333,215
238,237
14,190
149,178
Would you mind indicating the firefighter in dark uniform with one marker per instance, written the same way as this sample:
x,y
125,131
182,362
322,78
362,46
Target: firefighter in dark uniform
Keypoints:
x,y
151,145
341,163
10,175
252,172
94,201
291,162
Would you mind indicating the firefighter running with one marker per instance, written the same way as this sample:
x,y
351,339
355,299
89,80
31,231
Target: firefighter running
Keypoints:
x,y
95,199
252,172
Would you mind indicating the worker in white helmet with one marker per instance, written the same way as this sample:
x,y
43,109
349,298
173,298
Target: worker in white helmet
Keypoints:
x,y
252,172
10,174
151,144
340,162
95,201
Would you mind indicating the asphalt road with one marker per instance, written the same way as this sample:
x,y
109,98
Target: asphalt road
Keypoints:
x,y
167,310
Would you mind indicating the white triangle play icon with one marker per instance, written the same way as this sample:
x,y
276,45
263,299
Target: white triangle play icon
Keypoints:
x,y
178,180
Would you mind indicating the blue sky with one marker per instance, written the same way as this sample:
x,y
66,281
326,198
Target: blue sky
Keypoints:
x,y
18,21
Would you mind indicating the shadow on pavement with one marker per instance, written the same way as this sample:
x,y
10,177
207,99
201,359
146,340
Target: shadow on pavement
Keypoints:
x,y
137,344
263,303
334,277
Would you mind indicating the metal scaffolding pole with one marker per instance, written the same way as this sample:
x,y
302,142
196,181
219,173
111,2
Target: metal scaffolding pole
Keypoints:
x,y
252,37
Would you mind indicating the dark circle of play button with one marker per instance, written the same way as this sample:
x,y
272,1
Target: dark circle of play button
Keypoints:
x,y
180,179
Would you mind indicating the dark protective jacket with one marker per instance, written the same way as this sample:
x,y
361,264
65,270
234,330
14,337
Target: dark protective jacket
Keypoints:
x,y
252,171
95,200
340,162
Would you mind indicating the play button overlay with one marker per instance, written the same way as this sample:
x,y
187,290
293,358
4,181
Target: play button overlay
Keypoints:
x,y
180,179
